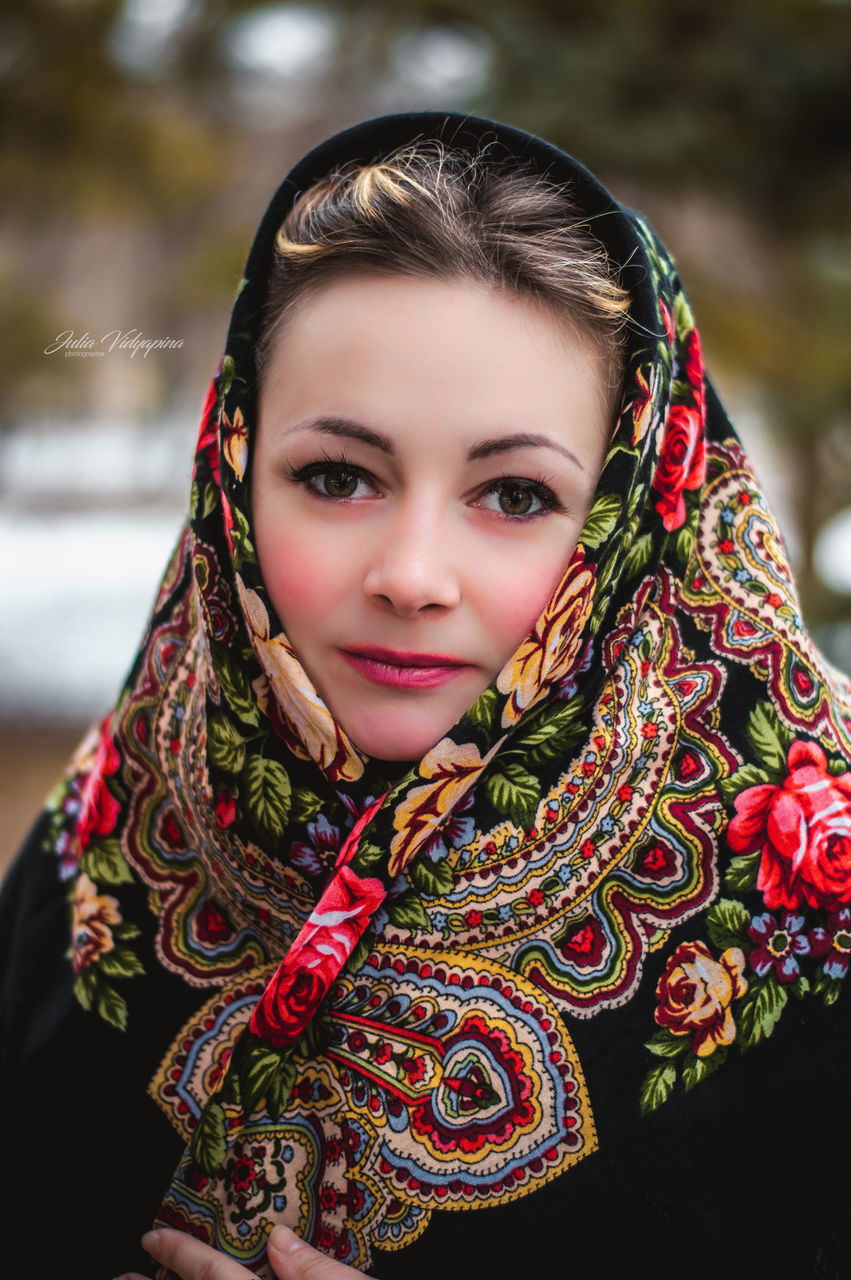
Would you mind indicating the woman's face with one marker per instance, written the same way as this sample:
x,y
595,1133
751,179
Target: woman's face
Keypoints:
x,y
426,455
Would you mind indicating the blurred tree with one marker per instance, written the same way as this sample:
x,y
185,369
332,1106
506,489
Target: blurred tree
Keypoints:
x,y
735,112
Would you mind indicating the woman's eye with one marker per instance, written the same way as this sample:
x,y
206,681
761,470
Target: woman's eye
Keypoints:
x,y
515,498
336,482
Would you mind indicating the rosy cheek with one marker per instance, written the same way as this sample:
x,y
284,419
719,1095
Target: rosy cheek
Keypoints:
x,y
520,601
304,578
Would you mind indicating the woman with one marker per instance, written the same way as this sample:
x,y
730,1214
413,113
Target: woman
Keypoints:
x,y
494,915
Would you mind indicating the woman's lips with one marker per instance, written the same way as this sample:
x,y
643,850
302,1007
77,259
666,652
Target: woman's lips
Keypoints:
x,y
403,670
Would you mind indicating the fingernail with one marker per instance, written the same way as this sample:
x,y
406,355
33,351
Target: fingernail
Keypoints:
x,y
282,1241
151,1241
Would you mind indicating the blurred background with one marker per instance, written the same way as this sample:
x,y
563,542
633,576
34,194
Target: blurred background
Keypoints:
x,y
140,141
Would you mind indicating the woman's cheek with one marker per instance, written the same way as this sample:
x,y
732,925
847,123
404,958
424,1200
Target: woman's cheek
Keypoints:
x,y
304,578
516,603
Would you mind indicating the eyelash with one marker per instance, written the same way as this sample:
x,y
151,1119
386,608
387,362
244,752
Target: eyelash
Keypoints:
x,y
538,486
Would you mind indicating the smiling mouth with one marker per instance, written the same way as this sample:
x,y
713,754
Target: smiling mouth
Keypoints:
x,y
403,670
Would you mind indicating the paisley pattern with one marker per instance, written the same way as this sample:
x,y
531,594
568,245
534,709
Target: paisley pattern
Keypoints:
x,y
658,779
446,1084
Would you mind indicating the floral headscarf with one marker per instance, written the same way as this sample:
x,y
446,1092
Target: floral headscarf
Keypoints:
x,y
391,974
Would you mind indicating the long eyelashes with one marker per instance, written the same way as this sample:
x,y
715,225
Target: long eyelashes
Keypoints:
x,y
537,487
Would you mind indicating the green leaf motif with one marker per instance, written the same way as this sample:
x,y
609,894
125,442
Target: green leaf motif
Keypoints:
x,y
552,735
664,1044
236,687
84,987
601,519
483,709
226,745
516,793
319,1032
110,1005
684,544
269,793
750,775
769,739
121,962
104,862
211,498
360,951
434,879
407,912
281,1088
683,316
226,376
366,856
658,1086
124,931
638,556
244,552
305,805
759,1009
257,1075
741,874
698,1069
726,923
827,988
209,1142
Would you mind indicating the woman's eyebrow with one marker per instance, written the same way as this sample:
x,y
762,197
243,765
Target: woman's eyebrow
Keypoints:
x,y
347,428
519,440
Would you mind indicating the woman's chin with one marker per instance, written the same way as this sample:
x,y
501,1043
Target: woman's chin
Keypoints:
x,y
397,738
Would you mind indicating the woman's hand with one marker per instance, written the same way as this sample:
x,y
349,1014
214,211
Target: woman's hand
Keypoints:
x,y
290,1257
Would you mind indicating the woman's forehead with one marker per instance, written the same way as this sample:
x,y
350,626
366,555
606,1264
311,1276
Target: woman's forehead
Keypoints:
x,y
460,361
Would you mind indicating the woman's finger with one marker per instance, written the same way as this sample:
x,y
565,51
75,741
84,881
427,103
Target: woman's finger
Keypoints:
x,y
292,1259
189,1258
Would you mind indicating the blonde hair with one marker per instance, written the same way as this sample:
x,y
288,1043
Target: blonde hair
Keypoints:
x,y
433,211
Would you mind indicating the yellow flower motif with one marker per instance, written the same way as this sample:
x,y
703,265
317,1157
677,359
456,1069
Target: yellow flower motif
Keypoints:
x,y
92,915
695,993
235,446
550,652
451,769
642,406
288,698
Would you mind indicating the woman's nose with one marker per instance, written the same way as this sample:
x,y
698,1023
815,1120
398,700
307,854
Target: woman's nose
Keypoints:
x,y
413,567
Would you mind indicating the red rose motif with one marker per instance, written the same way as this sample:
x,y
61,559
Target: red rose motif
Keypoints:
x,y
98,809
682,464
208,435
225,810
316,957
802,829
695,993
694,368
